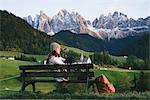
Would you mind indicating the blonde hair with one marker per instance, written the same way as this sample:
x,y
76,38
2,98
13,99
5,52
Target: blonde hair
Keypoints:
x,y
53,46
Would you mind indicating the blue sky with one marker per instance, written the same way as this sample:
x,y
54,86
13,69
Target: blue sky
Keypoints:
x,y
90,9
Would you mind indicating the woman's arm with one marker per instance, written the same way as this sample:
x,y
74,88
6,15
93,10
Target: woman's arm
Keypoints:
x,y
58,60
63,59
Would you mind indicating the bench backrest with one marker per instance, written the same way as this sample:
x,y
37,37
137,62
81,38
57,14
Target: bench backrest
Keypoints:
x,y
76,70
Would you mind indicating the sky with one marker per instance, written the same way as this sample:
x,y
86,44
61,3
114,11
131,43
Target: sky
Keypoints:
x,y
89,9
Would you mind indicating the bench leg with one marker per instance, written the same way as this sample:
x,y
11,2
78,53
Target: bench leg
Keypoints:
x,y
93,86
33,86
87,85
23,81
23,87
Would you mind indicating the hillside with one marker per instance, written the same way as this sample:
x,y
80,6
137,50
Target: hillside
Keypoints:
x,y
17,35
81,41
133,45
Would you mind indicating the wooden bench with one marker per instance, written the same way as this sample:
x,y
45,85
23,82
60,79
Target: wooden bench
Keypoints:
x,y
77,73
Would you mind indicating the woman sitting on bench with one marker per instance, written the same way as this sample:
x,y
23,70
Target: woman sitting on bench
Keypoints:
x,y
55,58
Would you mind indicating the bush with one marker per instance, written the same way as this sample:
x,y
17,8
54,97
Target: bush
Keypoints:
x,y
147,63
25,58
16,95
66,96
143,82
123,84
70,88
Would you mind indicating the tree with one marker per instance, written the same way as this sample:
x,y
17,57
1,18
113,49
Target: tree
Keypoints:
x,y
147,63
142,83
134,62
101,58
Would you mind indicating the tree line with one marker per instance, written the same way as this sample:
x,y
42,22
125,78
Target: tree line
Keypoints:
x,y
131,61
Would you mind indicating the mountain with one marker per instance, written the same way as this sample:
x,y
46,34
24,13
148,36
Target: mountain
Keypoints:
x,y
63,20
118,25
17,35
132,45
113,26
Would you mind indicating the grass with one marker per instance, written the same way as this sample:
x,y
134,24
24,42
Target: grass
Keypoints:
x,y
113,74
12,84
15,85
9,68
30,95
116,76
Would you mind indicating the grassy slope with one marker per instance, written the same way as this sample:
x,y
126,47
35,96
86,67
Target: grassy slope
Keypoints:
x,y
15,84
77,50
9,68
12,69
42,57
115,75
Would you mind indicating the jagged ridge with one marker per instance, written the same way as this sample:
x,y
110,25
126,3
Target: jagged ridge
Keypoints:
x,y
116,25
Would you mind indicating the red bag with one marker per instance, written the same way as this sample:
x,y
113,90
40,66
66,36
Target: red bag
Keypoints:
x,y
103,85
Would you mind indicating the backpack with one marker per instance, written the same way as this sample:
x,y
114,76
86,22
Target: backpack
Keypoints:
x,y
103,85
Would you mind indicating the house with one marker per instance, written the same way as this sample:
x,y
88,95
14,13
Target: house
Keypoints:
x,y
9,57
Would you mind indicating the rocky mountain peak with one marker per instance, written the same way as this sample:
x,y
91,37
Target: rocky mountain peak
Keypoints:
x,y
116,25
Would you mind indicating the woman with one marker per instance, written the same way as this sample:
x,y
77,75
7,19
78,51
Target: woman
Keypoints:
x,y
55,58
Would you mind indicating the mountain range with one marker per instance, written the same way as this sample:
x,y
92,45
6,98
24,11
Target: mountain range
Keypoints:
x,y
17,35
113,26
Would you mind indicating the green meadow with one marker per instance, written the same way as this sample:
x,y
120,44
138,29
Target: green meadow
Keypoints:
x,y
10,72
10,81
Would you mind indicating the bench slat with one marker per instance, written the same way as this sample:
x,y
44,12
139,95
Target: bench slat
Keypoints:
x,y
54,67
54,81
58,74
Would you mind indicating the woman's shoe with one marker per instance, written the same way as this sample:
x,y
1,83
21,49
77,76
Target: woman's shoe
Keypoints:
x,y
59,79
64,79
